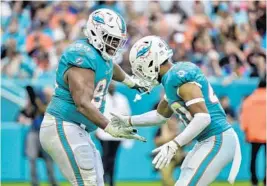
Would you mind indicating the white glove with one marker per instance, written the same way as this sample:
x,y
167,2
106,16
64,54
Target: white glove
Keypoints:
x,y
165,154
124,120
134,83
117,129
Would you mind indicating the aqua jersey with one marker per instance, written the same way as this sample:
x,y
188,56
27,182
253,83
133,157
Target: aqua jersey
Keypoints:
x,y
186,72
83,55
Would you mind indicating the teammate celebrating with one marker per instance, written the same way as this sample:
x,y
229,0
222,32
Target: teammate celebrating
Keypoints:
x,y
191,97
82,79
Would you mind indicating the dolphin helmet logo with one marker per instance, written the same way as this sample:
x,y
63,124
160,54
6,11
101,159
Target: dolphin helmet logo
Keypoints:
x,y
98,19
144,50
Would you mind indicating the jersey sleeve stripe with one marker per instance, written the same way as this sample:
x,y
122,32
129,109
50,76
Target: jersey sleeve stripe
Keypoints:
x,y
193,101
207,160
193,82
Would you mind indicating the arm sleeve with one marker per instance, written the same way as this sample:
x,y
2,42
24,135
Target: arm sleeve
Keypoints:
x,y
148,119
194,128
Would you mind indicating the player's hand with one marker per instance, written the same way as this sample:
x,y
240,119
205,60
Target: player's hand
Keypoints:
x,y
141,88
124,120
118,130
165,154
135,83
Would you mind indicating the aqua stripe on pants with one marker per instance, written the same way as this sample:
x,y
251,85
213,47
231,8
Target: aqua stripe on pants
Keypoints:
x,y
207,160
69,153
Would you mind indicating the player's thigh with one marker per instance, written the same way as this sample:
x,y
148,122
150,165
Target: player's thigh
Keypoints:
x,y
70,149
52,144
97,163
197,161
224,156
190,163
82,154
206,160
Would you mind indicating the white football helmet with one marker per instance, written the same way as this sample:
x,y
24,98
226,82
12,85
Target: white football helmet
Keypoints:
x,y
146,56
106,31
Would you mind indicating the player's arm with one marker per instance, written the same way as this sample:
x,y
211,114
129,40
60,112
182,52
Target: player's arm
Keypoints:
x,y
193,97
81,86
154,117
118,73
120,76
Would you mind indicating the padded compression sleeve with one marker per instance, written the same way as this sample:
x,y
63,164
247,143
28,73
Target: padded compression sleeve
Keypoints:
x,y
148,119
194,128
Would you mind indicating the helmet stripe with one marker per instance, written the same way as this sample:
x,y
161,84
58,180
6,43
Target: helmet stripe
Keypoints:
x,y
98,19
123,25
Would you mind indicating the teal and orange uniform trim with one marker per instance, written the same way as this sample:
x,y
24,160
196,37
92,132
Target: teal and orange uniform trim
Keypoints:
x,y
69,152
207,160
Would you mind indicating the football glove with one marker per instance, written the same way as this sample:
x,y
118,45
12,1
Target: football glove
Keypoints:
x,y
135,83
165,154
118,129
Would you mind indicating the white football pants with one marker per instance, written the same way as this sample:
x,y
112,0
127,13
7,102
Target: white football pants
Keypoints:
x,y
208,157
72,149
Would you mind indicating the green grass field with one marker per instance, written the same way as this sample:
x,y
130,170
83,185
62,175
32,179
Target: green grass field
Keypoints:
x,y
132,184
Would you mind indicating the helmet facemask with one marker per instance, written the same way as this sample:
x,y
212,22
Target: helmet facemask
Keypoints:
x,y
148,76
112,45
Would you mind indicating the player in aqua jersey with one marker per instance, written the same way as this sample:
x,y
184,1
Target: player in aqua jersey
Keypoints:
x,y
84,73
191,97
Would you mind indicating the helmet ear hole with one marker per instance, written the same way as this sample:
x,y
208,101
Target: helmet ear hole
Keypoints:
x,y
150,63
93,33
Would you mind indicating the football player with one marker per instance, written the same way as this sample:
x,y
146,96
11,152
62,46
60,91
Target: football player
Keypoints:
x,y
191,97
84,73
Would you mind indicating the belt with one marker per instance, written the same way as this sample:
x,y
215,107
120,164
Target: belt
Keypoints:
x,y
52,118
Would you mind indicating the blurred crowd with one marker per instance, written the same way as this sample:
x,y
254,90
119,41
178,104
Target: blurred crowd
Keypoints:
x,y
224,38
